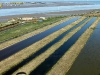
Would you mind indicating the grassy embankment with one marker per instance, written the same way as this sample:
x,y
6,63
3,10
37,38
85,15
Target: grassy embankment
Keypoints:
x,y
39,59
16,31
65,63
23,29
4,24
43,56
94,13
18,57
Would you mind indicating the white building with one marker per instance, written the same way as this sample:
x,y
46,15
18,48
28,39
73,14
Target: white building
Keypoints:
x,y
27,18
43,18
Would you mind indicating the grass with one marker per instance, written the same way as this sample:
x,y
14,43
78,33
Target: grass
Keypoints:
x,y
15,40
18,57
65,63
12,33
38,60
4,24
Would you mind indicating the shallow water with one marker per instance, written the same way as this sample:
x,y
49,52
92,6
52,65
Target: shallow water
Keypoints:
x,y
44,48
88,61
32,10
25,43
44,67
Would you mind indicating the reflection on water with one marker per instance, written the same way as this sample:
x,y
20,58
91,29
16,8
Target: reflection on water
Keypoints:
x,y
88,61
45,66
25,43
98,26
19,46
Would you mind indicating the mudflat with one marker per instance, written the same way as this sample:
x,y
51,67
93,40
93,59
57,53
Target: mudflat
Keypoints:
x,y
49,14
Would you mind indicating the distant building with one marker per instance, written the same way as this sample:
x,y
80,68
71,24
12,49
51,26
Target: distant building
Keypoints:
x,y
27,18
43,18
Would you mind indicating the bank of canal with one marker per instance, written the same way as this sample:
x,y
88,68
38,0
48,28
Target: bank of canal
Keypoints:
x,y
45,47
25,43
88,61
44,67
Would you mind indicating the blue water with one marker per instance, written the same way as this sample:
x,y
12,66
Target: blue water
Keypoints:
x,y
45,66
32,10
92,2
27,42
17,11
89,2
88,60
45,47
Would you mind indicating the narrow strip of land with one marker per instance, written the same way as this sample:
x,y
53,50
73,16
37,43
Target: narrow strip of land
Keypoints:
x,y
16,40
64,64
45,66
38,60
18,57
25,43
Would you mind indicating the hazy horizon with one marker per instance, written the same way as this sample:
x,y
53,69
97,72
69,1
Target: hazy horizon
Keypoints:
x,y
43,0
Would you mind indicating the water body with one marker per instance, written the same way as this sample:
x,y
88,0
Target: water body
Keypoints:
x,y
44,48
88,61
33,10
44,67
25,43
88,2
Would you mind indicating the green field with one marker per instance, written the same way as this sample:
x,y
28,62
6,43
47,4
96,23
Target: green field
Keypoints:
x,y
26,28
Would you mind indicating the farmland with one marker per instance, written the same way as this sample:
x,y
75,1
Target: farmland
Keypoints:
x,y
45,48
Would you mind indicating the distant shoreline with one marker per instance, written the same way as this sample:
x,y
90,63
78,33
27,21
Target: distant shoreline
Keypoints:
x,y
49,14
9,6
